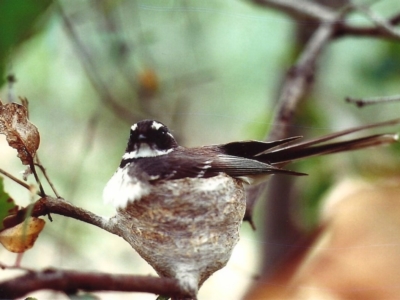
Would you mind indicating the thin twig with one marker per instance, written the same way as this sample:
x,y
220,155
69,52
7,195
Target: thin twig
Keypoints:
x,y
313,10
379,22
44,172
14,267
361,102
343,29
301,8
15,179
33,169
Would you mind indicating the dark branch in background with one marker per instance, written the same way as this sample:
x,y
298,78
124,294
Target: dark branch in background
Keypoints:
x,y
296,86
300,9
344,29
314,11
395,20
380,23
90,69
280,229
299,80
297,83
71,282
361,102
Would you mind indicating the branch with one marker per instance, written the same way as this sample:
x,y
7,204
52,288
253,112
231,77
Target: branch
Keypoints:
x,y
299,79
300,9
15,179
380,23
279,227
350,30
44,172
297,82
344,29
306,9
361,102
71,282
59,206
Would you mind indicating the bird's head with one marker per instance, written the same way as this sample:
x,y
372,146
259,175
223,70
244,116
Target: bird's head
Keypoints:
x,y
149,138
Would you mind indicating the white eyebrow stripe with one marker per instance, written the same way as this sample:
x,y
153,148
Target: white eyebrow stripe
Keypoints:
x,y
156,125
133,127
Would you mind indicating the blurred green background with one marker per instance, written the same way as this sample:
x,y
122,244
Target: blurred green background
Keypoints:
x,y
210,70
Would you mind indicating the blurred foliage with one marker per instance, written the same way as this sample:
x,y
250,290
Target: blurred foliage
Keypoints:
x,y
385,69
320,179
210,70
17,24
311,195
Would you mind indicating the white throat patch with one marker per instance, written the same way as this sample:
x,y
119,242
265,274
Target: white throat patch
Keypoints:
x,y
145,151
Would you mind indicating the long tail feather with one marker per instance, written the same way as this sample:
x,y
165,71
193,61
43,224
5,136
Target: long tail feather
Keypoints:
x,y
298,152
312,147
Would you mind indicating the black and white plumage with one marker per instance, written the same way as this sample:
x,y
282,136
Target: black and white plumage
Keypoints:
x,y
152,154
181,208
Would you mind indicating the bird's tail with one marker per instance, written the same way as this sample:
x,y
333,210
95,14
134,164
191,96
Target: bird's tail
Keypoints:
x,y
287,153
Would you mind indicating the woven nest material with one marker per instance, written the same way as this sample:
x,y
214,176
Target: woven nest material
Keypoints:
x,y
187,228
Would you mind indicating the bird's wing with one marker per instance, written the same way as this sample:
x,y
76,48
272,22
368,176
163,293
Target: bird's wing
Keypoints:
x,y
238,166
180,164
172,166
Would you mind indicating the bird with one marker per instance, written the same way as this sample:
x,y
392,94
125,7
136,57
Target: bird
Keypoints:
x,y
181,208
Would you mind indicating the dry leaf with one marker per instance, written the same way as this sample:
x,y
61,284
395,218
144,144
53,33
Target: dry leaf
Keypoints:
x,y
22,236
20,133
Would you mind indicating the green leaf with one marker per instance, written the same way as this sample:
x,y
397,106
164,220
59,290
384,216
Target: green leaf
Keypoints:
x,y
17,24
7,205
83,296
